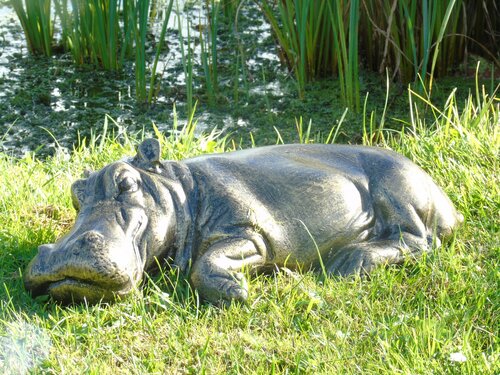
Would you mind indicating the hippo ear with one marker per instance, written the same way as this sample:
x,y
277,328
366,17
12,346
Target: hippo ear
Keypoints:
x,y
148,155
87,172
78,193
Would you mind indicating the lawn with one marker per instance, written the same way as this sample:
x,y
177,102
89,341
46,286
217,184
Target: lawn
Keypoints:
x,y
438,315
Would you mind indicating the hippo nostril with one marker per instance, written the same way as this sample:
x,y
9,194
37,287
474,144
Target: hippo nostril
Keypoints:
x,y
91,240
92,236
45,249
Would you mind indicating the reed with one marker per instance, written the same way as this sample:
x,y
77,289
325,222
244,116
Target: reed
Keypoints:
x,y
187,61
414,38
289,23
230,9
107,33
213,17
141,26
208,38
348,69
240,74
36,21
152,83
91,31
128,9
318,39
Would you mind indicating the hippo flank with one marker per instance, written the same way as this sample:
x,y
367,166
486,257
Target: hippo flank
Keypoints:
x,y
344,208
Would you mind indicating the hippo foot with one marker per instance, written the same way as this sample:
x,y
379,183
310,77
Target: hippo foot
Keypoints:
x,y
222,289
361,259
234,289
217,274
358,262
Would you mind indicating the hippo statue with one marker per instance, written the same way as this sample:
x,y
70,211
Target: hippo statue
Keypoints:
x,y
335,208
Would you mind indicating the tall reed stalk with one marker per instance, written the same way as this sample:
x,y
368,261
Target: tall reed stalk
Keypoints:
x,y
414,38
91,31
318,38
187,62
141,23
346,50
152,83
209,50
229,9
36,21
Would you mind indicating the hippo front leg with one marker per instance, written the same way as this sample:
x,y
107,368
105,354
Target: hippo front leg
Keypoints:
x,y
217,274
361,258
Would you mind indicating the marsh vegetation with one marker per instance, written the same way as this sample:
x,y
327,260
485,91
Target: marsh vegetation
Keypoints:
x,y
249,66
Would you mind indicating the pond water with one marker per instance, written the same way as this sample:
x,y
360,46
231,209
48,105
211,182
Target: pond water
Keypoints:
x,y
49,102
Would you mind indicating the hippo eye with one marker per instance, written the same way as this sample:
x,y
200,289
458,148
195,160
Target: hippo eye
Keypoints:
x,y
127,185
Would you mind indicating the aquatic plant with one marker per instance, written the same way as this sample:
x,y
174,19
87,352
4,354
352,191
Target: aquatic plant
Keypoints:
x,y
318,39
91,31
36,21
347,56
187,61
153,90
415,39
140,17
106,33
209,49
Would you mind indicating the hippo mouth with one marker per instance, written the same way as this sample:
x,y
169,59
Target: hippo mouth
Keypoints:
x,y
70,290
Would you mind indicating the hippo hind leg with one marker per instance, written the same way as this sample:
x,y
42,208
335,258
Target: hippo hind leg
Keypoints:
x,y
361,258
408,214
217,274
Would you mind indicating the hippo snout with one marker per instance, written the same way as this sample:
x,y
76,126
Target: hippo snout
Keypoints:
x,y
84,266
88,241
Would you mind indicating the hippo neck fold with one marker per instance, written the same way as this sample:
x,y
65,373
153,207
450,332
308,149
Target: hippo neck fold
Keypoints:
x,y
179,181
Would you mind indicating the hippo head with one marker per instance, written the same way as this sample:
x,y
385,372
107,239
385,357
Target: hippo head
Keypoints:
x,y
125,219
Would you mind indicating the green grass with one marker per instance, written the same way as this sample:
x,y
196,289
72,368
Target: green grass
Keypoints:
x,y
421,318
